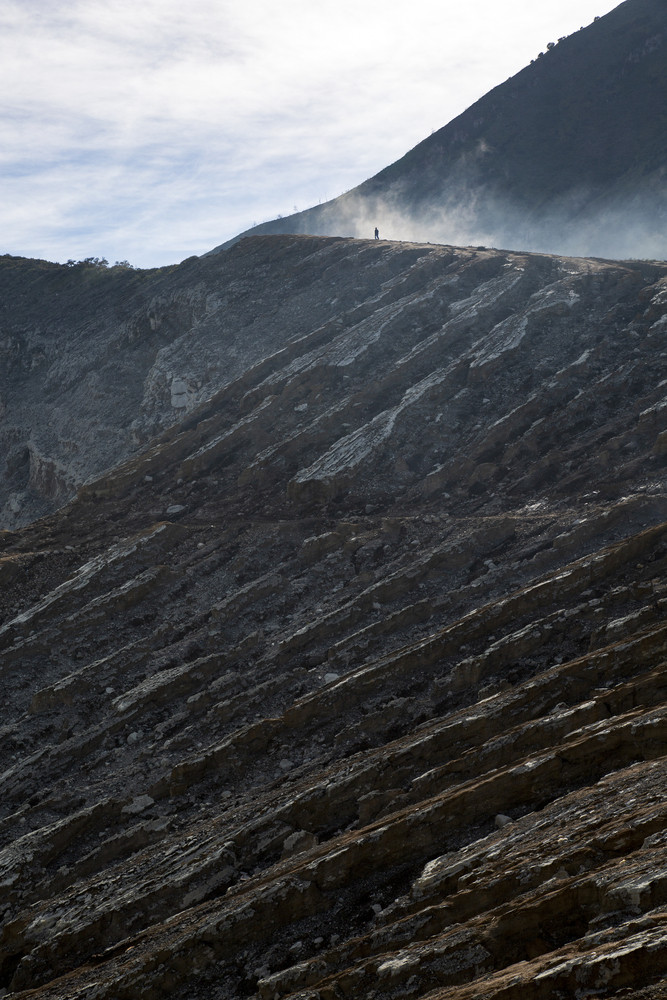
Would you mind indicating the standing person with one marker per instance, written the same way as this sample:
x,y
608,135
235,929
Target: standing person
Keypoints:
x,y
377,233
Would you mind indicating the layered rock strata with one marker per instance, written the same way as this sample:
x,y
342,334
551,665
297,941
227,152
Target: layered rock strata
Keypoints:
x,y
352,684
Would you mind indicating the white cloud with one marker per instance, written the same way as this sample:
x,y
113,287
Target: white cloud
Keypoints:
x,y
157,129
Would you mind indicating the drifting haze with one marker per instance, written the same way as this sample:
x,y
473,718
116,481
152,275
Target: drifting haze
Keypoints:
x,y
154,131
623,229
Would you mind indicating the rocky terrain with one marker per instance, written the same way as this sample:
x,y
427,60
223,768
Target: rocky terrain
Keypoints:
x,y
568,156
352,681
94,361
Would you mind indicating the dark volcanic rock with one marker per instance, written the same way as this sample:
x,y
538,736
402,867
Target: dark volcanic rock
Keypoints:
x,y
95,361
352,683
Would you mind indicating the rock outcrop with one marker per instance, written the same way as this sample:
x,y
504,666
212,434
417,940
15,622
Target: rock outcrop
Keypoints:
x,y
353,682
94,361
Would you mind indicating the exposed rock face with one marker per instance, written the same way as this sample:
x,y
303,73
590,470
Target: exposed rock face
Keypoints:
x,y
352,684
94,362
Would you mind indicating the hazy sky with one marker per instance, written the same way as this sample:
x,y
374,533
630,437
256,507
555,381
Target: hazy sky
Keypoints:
x,y
150,130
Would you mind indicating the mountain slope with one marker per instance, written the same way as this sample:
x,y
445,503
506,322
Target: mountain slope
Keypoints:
x,y
567,156
353,682
94,361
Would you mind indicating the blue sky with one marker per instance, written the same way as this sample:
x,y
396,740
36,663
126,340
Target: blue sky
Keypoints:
x,y
152,130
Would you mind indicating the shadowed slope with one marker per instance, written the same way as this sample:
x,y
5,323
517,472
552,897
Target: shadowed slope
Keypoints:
x,y
353,683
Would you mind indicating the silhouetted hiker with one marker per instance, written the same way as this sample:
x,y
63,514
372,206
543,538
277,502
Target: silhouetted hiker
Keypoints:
x,y
377,233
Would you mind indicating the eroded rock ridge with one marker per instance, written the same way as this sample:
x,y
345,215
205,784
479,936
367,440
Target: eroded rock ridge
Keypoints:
x,y
352,683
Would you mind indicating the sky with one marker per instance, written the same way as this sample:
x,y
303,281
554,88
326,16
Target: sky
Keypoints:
x,y
151,130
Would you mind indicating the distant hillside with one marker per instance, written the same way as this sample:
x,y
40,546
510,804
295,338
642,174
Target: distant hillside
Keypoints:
x,y
567,156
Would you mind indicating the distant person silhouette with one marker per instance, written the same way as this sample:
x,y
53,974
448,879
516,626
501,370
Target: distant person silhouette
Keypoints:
x,y
377,233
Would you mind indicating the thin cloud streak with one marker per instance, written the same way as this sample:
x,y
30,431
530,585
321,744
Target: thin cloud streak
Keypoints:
x,y
153,131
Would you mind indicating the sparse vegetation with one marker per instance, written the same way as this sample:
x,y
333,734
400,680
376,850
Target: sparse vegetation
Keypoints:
x,y
100,262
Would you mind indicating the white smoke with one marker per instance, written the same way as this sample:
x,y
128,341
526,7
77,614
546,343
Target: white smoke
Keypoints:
x,y
620,227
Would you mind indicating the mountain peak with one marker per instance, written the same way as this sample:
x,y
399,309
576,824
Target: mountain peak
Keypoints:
x,y
568,156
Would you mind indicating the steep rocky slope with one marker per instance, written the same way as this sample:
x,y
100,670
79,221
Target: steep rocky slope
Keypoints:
x,y
568,156
95,361
352,684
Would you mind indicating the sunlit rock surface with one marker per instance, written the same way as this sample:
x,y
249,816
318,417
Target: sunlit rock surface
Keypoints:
x,y
352,683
